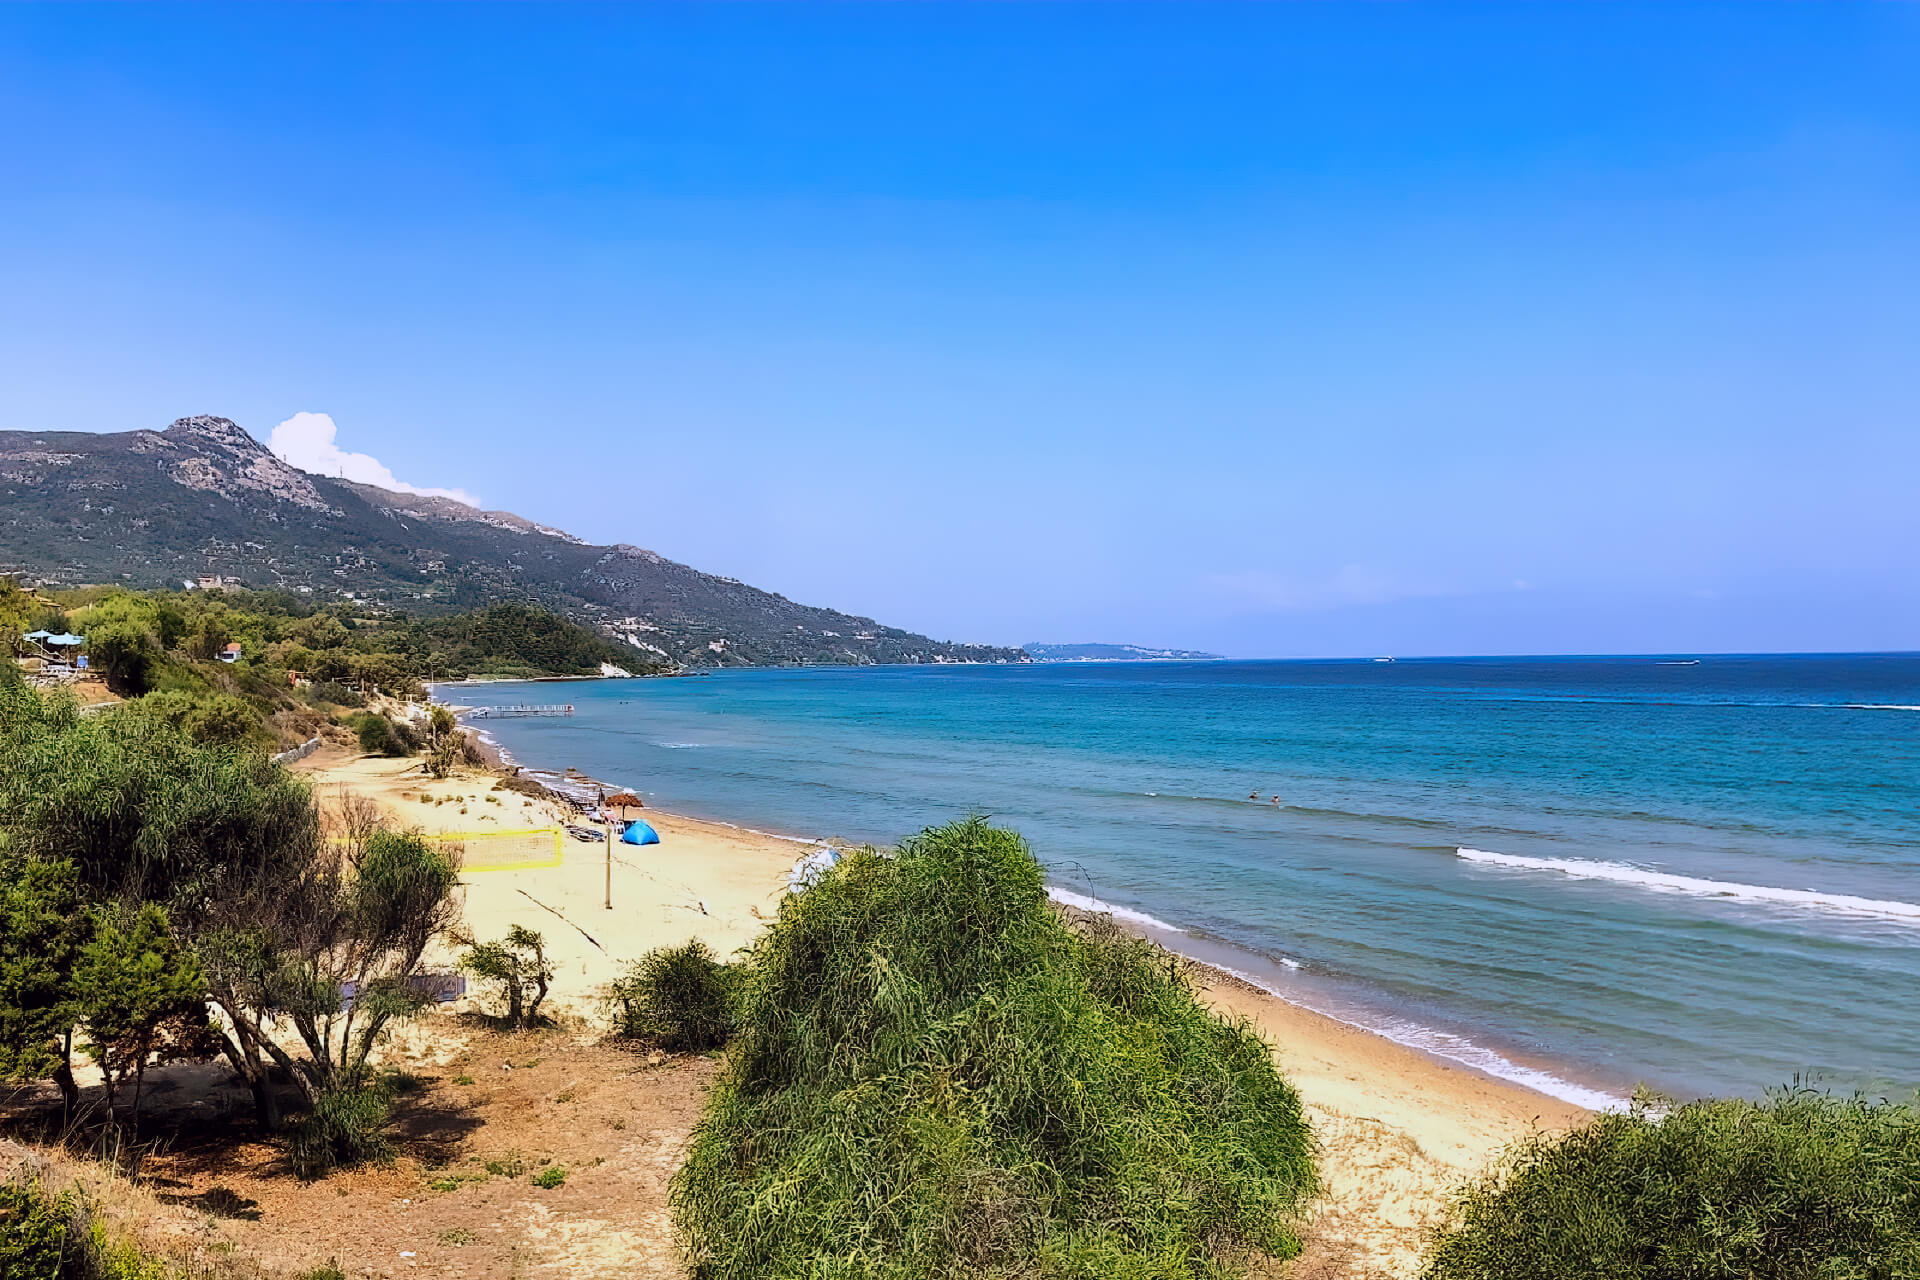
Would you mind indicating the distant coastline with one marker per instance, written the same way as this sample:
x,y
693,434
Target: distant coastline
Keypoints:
x,y
1115,653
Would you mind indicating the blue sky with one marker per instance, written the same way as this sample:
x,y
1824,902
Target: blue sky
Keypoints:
x,y
1287,330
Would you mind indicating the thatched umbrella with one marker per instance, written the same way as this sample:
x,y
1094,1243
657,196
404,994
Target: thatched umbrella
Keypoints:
x,y
626,800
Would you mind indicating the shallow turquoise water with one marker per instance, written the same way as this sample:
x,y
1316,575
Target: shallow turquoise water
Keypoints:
x,y
1581,873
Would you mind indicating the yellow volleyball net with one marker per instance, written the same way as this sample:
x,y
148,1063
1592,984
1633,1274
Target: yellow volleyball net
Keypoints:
x,y
505,850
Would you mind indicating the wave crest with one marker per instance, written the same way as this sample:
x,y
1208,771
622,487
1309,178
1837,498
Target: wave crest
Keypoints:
x,y
1068,898
1694,886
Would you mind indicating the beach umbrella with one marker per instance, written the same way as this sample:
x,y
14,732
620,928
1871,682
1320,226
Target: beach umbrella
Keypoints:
x,y
626,800
638,832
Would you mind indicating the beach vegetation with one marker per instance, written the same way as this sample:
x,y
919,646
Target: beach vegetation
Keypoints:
x,y
934,1075
58,1235
145,875
33,1231
345,1126
677,999
300,665
444,743
43,925
140,997
517,966
1799,1186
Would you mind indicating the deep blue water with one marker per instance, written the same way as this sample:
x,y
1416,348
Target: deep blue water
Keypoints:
x,y
1582,872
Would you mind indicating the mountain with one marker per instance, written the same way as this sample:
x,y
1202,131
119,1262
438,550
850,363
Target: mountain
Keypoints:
x,y
204,498
1113,653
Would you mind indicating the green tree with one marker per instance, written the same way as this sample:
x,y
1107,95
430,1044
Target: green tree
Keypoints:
x,y
219,837
16,614
124,652
518,964
370,912
138,994
443,742
43,925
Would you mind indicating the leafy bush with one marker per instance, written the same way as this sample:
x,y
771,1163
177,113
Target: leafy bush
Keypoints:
x,y
675,998
346,1127
56,1237
380,736
934,1076
33,1231
338,694
518,964
550,1177
1803,1186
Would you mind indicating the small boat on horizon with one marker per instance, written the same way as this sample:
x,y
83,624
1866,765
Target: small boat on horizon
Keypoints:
x,y
1387,658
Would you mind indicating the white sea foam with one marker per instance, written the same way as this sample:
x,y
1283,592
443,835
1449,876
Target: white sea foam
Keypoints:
x,y
1879,706
679,746
1067,897
1694,886
1457,1048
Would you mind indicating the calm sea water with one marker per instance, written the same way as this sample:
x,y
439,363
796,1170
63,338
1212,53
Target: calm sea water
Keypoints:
x,y
1578,873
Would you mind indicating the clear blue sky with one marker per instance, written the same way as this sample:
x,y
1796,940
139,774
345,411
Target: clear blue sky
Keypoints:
x,y
1278,330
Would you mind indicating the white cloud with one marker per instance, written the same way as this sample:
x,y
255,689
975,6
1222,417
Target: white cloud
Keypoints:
x,y
306,441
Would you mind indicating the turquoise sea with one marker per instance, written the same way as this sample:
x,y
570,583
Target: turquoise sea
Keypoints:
x,y
1578,873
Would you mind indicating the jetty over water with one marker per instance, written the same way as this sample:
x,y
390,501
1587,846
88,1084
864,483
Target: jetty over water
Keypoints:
x,y
523,709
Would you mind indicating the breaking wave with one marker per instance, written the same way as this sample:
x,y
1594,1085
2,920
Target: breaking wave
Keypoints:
x,y
1698,887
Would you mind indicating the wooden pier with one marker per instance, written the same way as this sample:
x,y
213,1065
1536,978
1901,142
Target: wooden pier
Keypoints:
x,y
522,709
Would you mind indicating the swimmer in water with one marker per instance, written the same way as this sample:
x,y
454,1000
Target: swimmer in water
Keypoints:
x,y
1253,795
1276,799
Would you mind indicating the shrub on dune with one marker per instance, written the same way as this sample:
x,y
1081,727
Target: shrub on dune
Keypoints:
x,y
675,998
934,1076
1803,1186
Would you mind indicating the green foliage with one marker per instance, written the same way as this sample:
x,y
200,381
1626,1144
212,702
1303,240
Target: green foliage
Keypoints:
x,y
42,927
446,745
124,653
380,736
346,1127
338,694
518,964
169,642
44,1236
17,609
33,1231
933,1076
220,719
145,813
369,919
550,1177
521,639
218,837
675,998
1803,1186
139,995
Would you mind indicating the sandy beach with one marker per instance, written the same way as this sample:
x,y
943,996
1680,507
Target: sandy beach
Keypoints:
x,y
1398,1129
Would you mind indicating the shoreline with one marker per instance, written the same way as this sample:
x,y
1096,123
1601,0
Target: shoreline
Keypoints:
x,y
1436,1045
1400,1129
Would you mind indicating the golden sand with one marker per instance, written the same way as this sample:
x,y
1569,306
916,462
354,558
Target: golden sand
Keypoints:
x,y
1398,1129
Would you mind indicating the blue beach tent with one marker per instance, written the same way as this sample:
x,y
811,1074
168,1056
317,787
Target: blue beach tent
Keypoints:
x,y
638,832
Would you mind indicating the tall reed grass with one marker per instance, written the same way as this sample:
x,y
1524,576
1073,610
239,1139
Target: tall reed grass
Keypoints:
x,y
934,1076
1802,1186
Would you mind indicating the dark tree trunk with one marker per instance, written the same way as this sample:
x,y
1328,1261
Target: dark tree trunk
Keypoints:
x,y
63,1077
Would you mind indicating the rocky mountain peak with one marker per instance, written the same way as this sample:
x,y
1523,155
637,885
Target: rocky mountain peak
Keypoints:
x,y
207,429
228,461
